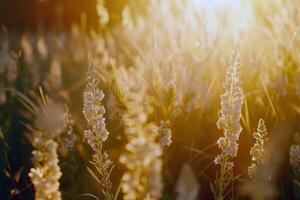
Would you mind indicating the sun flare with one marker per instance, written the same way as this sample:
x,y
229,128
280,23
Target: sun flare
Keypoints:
x,y
239,13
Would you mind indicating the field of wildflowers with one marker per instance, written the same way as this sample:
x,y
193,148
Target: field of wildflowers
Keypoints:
x,y
180,99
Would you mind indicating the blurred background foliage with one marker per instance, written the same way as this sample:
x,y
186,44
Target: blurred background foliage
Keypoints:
x,y
54,14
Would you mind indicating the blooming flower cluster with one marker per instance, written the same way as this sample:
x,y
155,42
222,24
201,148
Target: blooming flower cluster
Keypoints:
x,y
231,105
46,172
93,111
257,151
165,134
51,120
142,179
229,123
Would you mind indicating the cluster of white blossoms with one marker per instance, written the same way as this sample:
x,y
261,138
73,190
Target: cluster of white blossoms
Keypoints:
x,y
46,172
94,111
51,120
257,150
142,179
229,123
231,105
165,134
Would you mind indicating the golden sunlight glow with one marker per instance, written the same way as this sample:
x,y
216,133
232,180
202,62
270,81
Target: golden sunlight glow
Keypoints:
x,y
150,99
237,14
211,4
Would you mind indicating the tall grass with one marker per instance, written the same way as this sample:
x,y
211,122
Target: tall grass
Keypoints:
x,y
159,82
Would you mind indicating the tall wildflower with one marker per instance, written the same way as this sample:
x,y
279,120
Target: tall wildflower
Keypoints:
x,y
93,111
230,114
142,179
257,151
46,173
50,122
267,159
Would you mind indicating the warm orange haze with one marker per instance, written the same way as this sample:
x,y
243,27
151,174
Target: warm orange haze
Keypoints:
x,y
150,100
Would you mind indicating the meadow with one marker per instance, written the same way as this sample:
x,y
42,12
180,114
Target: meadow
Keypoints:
x,y
180,99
